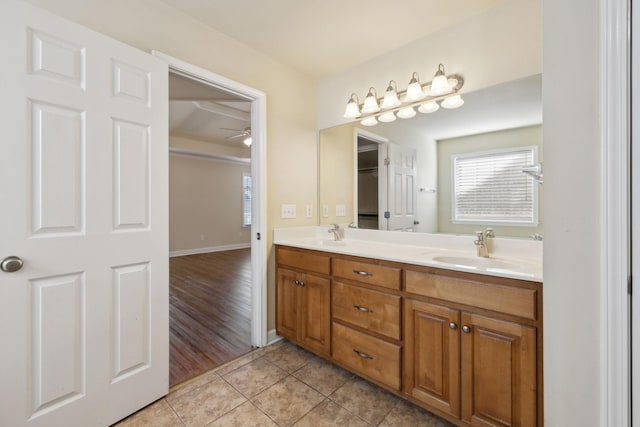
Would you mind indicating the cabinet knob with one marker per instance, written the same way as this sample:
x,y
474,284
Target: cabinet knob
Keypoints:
x,y
452,325
297,282
301,283
466,329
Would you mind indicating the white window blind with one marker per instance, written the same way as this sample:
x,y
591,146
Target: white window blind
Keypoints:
x,y
490,187
246,200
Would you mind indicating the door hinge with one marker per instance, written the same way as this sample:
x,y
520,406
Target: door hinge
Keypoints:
x,y
629,287
258,236
387,214
387,161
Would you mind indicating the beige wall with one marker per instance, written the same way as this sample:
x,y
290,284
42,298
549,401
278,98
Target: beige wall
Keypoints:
x,y
205,199
520,137
337,172
291,129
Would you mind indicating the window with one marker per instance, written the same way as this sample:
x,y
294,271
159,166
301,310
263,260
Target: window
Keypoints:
x,y
246,200
490,187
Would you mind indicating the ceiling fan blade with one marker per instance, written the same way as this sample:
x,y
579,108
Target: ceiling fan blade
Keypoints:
x,y
234,136
235,130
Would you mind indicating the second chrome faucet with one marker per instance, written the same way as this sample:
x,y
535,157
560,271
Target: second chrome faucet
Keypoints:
x,y
483,242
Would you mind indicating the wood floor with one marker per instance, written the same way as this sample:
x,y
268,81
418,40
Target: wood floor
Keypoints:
x,y
209,310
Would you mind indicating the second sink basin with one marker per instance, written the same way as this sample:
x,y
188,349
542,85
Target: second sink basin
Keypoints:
x,y
476,262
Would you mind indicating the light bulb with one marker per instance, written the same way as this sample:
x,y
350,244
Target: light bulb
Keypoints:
x,y
414,90
387,117
370,103
353,110
439,84
369,121
452,102
247,141
406,113
429,107
391,97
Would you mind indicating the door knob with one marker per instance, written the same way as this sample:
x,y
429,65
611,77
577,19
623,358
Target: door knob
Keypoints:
x,y
11,264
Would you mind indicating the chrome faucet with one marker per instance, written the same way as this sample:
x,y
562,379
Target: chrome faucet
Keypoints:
x,y
336,232
483,242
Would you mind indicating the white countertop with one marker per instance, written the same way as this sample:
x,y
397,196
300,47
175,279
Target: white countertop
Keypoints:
x,y
512,258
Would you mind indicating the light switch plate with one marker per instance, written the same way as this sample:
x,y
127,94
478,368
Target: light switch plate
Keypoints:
x,y
341,210
288,211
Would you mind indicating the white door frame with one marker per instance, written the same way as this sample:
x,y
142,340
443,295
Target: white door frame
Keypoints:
x,y
615,328
259,184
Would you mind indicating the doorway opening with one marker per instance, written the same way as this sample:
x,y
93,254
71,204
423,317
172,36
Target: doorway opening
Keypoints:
x,y
217,173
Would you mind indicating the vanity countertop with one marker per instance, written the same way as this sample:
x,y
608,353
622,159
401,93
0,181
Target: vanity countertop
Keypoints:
x,y
511,258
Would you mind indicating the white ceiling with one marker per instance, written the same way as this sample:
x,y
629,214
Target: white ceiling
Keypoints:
x,y
321,38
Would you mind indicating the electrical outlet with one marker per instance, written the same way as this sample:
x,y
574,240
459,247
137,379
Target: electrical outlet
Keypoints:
x,y
309,211
288,212
341,210
325,211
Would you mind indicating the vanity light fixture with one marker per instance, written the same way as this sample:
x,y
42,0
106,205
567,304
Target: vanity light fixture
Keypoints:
x,y
391,99
353,107
371,102
406,113
387,117
442,91
369,121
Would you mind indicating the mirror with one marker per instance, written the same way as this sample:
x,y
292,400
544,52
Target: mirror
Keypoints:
x,y
493,119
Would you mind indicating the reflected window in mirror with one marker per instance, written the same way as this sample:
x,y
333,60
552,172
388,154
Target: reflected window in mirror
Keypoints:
x,y
490,188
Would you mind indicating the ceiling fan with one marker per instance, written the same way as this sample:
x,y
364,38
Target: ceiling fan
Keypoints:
x,y
244,133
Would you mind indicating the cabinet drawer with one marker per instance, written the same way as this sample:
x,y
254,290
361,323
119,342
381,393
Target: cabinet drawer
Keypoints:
x,y
369,356
373,274
303,260
372,310
505,299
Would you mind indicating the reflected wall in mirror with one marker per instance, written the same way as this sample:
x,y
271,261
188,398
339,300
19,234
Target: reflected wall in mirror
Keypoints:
x,y
500,126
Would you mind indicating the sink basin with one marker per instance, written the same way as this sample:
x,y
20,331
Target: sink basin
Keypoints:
x,y
477,262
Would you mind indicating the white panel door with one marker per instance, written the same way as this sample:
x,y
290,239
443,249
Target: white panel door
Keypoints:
x,y
401,187
83,173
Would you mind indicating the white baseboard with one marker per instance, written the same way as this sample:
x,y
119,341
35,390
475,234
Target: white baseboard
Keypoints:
x,y
209,249
272,337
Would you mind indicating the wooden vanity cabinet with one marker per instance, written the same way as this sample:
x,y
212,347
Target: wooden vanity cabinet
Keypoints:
x,y
478,366
303,312
465,346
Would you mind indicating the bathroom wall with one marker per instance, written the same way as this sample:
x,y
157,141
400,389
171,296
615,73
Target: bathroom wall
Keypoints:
x,y
519,137
291,130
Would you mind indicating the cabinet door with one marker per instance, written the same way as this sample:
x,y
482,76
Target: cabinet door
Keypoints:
x,y
432,355
498,372
287,304
315,313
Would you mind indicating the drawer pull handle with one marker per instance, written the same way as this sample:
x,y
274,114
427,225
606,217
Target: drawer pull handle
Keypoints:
x,y
362,273
363,355
362,309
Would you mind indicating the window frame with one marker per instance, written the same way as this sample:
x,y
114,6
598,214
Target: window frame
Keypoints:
x,y
535,190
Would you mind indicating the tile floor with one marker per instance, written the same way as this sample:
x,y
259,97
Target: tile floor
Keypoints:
x,y
280,385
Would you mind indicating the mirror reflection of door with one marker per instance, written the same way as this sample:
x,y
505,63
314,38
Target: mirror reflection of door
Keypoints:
x,y
386,186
